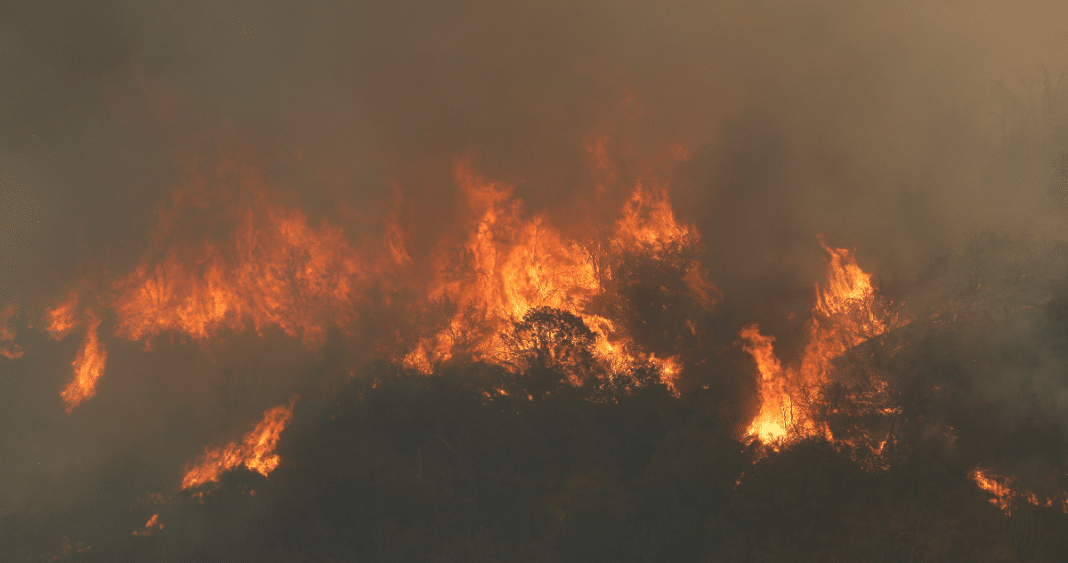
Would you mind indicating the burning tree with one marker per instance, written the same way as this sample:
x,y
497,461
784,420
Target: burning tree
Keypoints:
x,y
553,344
848,311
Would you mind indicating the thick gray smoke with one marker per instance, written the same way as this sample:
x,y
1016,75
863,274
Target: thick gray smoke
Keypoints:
x,y
904,129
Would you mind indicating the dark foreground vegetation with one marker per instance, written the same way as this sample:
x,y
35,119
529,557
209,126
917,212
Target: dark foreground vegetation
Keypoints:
x,y
448,468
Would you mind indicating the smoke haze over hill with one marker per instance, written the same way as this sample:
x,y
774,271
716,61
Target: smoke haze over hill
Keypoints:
x,y
146,141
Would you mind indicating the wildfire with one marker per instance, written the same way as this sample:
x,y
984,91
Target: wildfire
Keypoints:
x,y
271,269
152,524
255,451
847,312
510,265
88,366
8,348
775,406
1004,496
61,321
648,223
997,486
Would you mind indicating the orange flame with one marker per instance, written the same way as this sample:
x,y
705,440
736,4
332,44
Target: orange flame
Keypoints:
x,y
847,312
60,321
272,270
648,223
152,524
774,418
8,348
88,367
997,486
509,265
255,451
1004,496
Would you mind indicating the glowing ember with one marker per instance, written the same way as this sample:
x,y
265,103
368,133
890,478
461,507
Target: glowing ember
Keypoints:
x,y
88,366
255,451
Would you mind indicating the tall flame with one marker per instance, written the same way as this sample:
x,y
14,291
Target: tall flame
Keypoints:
x,y
775,405
509,265
255,451
847,312
88,366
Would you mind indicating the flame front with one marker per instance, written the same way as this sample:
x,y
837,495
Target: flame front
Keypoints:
x,y
255,451
1004,496
510,265
272,269
847,312
88,366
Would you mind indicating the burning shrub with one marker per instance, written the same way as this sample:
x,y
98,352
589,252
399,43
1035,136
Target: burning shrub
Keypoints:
x,y
555,345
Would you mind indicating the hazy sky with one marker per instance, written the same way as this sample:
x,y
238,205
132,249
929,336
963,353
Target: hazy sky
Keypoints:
x,y
896,127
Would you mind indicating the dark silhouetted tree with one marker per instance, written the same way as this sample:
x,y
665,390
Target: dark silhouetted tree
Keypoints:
x,y
553,346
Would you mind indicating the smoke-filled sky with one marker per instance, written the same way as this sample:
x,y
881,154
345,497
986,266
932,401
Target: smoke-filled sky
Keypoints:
x,y
893,126
899,128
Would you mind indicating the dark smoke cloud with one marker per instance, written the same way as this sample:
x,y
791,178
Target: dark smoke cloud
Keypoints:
x,y
897,127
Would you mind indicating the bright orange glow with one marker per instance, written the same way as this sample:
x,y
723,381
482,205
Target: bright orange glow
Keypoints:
x,y
1004,495
270,270
648,223
510,264
60,321
152,524
997,486
847,312
774,418
255,451
88,366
